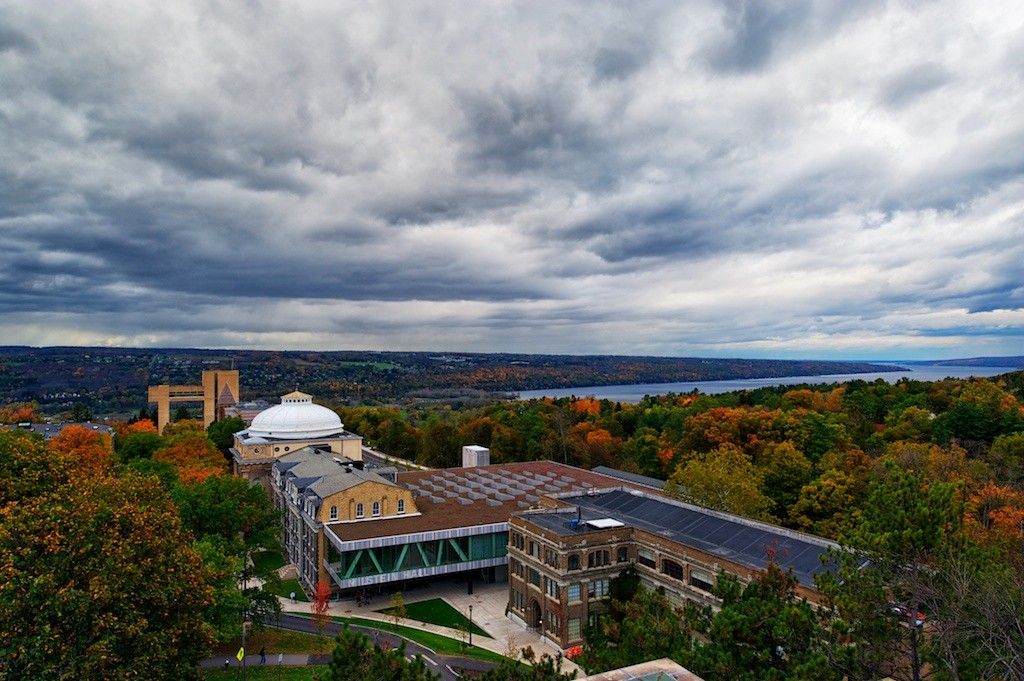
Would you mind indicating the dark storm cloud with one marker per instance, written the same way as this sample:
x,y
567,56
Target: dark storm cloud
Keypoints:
x,y
11,40
749,177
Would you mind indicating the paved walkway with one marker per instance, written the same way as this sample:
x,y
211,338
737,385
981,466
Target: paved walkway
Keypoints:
x,y
273,660
488,601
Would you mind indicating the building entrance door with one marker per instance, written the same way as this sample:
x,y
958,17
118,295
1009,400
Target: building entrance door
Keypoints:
x,y
535,615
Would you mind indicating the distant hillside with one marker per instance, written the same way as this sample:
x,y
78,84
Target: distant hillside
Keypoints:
x,y
114,380
1014,362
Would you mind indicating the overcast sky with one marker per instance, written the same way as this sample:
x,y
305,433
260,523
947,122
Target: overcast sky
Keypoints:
x,y
792,179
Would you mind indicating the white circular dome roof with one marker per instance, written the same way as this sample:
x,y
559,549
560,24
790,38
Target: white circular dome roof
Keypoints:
x,y
296,418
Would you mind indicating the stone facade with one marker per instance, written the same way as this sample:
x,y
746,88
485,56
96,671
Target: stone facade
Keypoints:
x,y
314,490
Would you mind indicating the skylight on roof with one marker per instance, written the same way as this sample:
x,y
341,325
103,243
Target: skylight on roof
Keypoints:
x,y
604,523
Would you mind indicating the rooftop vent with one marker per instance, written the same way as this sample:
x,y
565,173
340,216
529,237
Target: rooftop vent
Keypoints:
x,y
604,523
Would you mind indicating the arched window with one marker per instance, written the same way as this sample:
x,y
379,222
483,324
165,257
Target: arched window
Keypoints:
x,y
671,568
574,562
401,505
359,510
334,512
376,509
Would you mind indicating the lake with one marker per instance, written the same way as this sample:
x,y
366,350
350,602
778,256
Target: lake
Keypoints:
x,y
635,392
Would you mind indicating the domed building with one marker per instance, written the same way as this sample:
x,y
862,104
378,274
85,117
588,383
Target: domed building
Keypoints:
x,y
287,427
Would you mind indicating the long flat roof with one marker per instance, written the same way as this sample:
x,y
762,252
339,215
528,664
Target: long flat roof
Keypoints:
x,y
730,537
479,495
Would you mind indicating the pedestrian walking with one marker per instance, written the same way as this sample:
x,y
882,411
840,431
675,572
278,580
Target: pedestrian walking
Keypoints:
x,y
263,655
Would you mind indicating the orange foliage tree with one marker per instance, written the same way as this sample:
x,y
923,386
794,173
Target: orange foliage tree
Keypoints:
x,y
995,515
587,406
194,457
86,450
19,412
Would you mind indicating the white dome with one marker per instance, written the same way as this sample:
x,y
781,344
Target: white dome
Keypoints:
x,y
296,418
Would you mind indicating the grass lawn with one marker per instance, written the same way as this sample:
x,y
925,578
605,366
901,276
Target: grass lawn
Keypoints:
x,y
438,611
287,587
265,561
276,641
264,673
436,642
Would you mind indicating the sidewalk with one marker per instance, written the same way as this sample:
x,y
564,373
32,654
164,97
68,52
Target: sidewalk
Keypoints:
x,y
273,660
488,601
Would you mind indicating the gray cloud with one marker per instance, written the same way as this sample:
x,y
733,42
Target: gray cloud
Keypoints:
x,y
819,178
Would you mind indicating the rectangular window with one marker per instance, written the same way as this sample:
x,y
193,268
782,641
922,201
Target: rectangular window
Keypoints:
x,y
597,559
401,505
574,592
574,629
534,577
552,587
518,601
574,562
646,557
701,580
622,555
597,588
551,558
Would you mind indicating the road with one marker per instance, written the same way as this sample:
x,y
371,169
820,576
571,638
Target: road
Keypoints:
x,y
439,664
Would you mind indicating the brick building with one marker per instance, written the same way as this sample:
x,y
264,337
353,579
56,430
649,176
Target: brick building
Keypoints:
x,y
562,558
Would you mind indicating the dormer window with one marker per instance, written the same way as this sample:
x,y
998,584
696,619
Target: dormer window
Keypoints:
x,y
359,510
334,512
376,509
401,505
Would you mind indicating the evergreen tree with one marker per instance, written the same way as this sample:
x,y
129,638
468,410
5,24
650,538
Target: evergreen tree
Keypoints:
x,y
763,631
356,659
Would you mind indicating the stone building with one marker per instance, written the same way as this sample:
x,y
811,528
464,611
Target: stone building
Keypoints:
x,y
286,428
562,558
316,489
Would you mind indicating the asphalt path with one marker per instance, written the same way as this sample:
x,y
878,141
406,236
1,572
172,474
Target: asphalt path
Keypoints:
x,y
439,664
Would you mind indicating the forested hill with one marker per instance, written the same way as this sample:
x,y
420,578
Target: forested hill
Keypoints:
x,y
1014,362
115,379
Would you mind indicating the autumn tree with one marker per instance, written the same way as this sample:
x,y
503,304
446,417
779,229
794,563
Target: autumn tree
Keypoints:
x,y
319,607
20,412
907,524
356,659
85,449
723,479
107,563
1006,458
192,453
784,471
27,466
397,610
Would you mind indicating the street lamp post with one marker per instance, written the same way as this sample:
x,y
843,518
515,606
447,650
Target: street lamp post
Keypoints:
x,y
470,626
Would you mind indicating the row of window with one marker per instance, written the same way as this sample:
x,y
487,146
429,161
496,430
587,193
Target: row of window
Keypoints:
x,y
671,568
375,510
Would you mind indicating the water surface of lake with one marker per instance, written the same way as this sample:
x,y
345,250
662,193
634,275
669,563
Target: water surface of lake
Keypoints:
x,y
635,392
